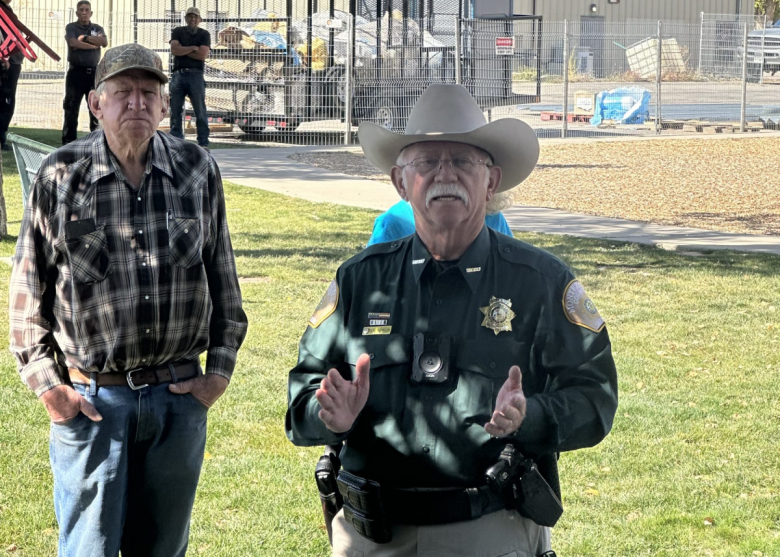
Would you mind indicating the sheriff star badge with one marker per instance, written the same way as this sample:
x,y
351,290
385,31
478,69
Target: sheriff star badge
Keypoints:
x,y
498,315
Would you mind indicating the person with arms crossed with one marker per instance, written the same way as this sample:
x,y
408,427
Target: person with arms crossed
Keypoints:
x,y
123,275
85,39
190,46
454,364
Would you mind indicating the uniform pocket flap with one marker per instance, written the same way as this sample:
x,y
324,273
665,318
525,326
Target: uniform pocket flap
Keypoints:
x,y
383,350
492,358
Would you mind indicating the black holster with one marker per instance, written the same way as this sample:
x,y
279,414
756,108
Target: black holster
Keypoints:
x,y
523,487
325,474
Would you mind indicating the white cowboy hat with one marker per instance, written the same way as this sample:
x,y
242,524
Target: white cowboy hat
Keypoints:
x,y
447,112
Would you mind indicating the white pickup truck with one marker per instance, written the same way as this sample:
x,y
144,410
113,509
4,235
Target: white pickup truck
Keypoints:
x,y
763,49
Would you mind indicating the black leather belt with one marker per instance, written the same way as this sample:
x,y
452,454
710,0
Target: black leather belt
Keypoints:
x,y
440,506
187,70
371,502
140,377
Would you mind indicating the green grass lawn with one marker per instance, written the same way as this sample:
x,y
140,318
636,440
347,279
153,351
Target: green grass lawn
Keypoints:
x,y
691,467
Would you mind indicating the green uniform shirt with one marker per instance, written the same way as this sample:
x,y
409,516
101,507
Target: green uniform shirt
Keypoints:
x,y
412,435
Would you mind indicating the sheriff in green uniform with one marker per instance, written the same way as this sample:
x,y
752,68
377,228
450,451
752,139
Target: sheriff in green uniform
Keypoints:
x,y
429,355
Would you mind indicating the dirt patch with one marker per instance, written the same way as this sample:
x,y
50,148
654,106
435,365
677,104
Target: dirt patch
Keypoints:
x,y
731,185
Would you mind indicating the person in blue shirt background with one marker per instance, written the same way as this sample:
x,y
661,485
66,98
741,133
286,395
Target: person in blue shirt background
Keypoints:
x,y
398,221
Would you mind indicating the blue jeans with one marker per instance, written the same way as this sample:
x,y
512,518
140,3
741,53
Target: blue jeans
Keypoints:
x,y
128,482
192,85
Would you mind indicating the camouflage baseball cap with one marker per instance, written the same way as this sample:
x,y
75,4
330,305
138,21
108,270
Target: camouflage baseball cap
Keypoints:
x,y
126,57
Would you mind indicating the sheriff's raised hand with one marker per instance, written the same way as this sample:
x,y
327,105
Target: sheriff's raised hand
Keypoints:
x,y
342,400
510,406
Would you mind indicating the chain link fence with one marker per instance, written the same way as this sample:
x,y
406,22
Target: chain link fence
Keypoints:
x,y
288,73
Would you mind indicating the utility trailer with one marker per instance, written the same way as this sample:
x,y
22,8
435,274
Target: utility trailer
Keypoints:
x,y
293,62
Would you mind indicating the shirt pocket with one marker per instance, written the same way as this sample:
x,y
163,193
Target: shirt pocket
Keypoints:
x,y
389,375
185,241
89,257
483,368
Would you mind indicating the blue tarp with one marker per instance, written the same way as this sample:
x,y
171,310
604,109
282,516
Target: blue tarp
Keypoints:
x,y
624,105
274,40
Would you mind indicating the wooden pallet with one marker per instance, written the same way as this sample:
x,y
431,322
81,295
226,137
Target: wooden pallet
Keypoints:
x,y
697,126
549,116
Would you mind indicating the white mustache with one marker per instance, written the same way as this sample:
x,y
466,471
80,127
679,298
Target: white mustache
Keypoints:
x,y
448,190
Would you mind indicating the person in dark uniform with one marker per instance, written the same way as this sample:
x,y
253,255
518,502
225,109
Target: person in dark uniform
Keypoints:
x,y
85,39
10,70
433,356
190,46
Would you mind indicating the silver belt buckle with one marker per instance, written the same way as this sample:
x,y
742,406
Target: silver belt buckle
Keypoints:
x,y
130,383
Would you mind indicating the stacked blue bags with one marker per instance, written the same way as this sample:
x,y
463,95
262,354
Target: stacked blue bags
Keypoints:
x,y
624,105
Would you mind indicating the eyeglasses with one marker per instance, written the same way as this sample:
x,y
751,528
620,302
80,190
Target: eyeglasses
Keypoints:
x,y
460,164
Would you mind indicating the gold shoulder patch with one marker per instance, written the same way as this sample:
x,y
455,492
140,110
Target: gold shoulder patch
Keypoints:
x,y
326,306
579,308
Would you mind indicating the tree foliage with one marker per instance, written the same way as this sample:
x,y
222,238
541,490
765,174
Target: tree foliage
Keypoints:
x,y
770,8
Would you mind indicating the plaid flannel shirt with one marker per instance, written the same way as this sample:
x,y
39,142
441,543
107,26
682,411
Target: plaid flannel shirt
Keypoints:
x,y
154,281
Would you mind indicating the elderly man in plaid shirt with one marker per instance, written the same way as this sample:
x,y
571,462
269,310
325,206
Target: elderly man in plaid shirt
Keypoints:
x,y
123,275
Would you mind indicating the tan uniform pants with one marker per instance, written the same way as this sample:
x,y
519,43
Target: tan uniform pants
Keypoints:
x,y
499,534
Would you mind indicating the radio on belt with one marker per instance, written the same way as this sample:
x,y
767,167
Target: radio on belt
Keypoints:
x,y
431,358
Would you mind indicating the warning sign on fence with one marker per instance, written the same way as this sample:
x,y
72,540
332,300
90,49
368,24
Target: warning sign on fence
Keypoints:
x,y
505,46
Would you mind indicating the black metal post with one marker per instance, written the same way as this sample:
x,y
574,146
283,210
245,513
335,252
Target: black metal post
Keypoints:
x,y
351,60
539,62
508,60
289,65
217,17
331,35
404,30
135,21
309,57
379,5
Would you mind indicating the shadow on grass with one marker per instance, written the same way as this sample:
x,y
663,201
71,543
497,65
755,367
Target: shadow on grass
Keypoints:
x,y
590,255
335,255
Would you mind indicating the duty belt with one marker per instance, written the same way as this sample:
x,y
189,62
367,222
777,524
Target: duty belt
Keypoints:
x,y
440,506
371,510
140,377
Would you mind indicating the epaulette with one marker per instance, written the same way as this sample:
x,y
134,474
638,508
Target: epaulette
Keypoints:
x,y
377,250
521,253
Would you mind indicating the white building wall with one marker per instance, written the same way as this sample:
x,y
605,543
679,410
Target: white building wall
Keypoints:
x,y
688,11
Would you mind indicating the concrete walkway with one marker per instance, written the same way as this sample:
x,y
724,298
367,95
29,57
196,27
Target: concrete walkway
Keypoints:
x,y
272,170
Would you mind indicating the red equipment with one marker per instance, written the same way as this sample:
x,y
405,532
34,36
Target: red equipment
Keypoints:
x,y
15,40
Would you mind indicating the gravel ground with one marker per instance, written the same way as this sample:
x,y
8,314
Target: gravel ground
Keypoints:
x,y
731,185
